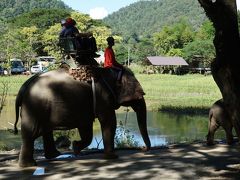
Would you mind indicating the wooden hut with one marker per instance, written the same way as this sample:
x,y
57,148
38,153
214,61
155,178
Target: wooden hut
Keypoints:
x,y
167,64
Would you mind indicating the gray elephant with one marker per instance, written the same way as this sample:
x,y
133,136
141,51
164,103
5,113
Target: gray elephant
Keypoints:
x,y
58,100
218,116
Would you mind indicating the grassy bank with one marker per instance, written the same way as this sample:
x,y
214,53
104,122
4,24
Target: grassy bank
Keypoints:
x,y
187,92
163,92
14,83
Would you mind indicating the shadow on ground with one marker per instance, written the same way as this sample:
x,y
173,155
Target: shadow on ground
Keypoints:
x,y
194,161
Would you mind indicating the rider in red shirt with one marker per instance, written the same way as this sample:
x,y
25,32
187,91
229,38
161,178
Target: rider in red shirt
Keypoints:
x,y
110,61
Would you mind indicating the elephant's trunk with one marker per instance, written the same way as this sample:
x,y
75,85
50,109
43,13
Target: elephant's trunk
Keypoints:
x,y
140,108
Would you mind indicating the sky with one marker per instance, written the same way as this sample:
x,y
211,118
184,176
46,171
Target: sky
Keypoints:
x,y
99,9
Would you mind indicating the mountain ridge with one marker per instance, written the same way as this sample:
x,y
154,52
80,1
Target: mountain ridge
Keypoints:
x,y
143,18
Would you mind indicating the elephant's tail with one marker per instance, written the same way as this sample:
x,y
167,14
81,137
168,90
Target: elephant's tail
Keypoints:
x,y
17,117
210,114
18,103
19,99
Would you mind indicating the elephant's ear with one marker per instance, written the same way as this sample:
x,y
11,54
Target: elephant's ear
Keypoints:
x,y
130,88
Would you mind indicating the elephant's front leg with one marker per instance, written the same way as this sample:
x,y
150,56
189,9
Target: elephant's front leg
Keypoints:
x,y
49,145
86,134
108,126
227,126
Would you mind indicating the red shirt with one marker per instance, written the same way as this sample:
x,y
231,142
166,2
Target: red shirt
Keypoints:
x,y
110,60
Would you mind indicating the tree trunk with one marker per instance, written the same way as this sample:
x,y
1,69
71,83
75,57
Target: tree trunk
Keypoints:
x,y
226,65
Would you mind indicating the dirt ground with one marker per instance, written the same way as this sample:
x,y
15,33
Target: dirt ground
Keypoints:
x,y
195,161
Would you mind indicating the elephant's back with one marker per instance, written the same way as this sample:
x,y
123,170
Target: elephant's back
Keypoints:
x,y
56,98
59,83
56,76
218,109
58,86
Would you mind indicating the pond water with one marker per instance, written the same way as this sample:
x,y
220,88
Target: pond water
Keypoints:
x,y
163,128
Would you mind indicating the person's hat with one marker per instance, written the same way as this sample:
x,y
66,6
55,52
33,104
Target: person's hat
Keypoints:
x,y
70,21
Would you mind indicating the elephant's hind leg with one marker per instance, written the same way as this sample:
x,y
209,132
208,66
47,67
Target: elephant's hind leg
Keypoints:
x,y
26,154
108,126
27,149
49,146
212,127
86,135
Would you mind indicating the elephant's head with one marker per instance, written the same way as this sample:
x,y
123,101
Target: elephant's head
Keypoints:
x,y
130,88
130,93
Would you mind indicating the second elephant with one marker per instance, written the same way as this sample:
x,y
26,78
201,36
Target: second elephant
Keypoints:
x,y
218,116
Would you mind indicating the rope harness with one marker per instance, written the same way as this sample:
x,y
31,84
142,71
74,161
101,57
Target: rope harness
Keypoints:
x,y
94,97
86,73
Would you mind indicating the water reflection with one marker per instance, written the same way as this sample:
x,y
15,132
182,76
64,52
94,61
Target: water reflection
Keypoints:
x,y
163,128
166,128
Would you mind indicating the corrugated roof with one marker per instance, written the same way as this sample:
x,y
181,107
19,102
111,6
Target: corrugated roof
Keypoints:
x,y
163,61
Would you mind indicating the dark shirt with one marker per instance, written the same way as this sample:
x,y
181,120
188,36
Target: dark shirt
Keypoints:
x,y
69,31
61,34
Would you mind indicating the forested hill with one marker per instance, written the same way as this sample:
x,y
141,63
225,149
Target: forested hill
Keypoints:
x,y
13,8
146,17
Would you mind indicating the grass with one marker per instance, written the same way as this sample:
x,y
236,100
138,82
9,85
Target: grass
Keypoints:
x,y
189,91
14,83
163,91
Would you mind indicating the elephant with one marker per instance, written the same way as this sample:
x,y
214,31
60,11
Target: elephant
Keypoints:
x,y
218,116
57,100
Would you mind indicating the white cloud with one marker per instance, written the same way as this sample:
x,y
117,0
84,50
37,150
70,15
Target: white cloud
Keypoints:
x,y
238,4
98,13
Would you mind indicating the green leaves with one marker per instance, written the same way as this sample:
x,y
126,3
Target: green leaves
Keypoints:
x,y
203,49
41,18
173,37
36,33
12,8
